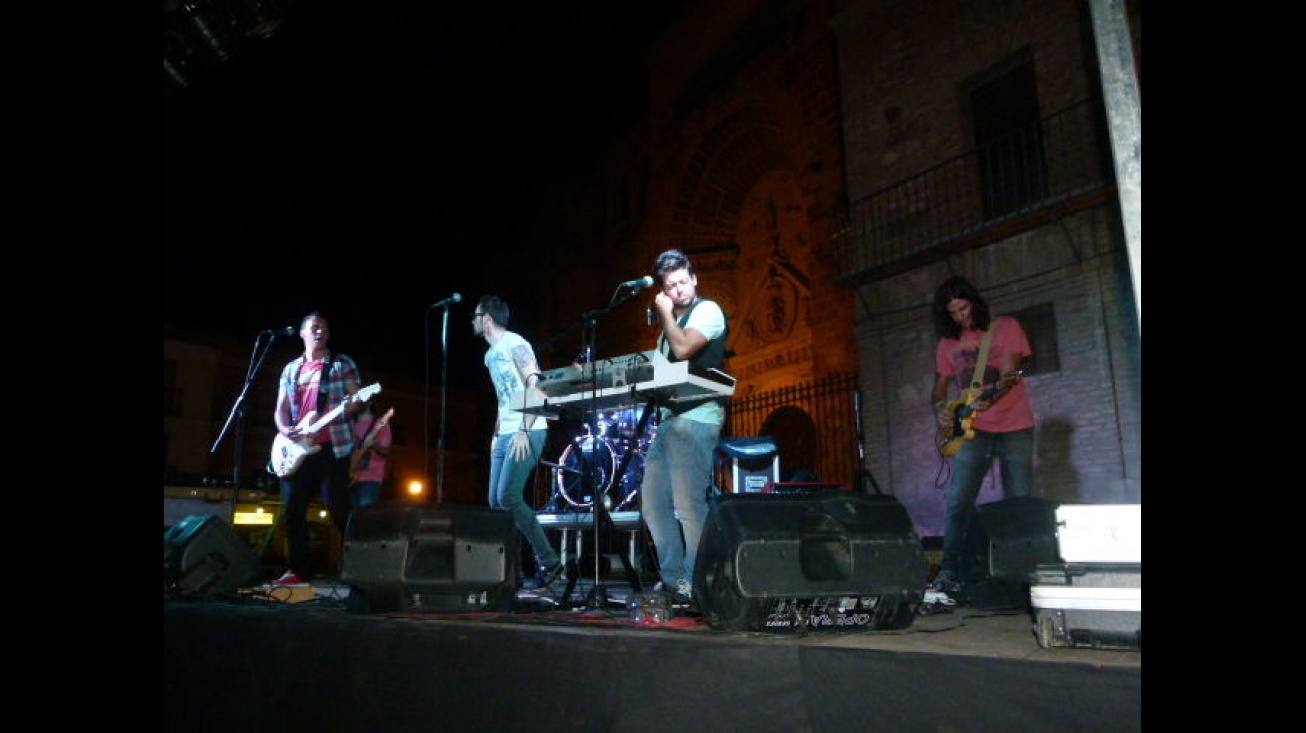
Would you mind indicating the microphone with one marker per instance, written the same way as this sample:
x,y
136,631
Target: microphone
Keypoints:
x,y
455,298
287,331
643,282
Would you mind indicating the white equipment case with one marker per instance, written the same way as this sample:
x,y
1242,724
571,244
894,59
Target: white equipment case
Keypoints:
x,y
1088,605
1094,597
1100,532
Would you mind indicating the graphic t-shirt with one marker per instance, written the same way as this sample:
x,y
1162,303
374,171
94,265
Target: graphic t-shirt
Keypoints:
x,y
956,358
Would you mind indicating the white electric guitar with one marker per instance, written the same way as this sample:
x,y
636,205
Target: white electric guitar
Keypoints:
x,y
288,455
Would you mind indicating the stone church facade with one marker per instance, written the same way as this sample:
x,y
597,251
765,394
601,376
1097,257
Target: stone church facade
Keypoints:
x,y
826,165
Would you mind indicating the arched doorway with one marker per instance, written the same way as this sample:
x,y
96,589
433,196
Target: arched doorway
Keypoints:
x,y
796,439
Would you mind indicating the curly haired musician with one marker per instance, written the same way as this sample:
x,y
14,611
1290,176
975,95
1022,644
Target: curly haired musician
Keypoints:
x,y
1000,417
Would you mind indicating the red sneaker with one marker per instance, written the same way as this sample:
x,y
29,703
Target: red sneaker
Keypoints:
x,y
289,580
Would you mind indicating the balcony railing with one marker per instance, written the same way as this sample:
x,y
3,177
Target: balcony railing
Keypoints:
x,y
1013,184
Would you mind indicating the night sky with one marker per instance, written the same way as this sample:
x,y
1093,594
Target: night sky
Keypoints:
x,y
364,159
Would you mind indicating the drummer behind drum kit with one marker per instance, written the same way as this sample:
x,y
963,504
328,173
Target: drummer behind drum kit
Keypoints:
x,y
604,450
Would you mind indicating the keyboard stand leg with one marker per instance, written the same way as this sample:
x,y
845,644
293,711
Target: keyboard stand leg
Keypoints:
x,y
634,557
562,547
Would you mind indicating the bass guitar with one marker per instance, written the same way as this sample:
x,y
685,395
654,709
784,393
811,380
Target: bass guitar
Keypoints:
x,y
963,414
288,455
358,459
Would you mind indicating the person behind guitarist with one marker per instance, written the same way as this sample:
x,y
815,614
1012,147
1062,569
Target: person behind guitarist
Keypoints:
x,y
678,465
316,381
373,441
1003,421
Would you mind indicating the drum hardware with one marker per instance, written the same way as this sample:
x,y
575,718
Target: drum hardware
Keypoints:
x,y
559,467
617,440
611,460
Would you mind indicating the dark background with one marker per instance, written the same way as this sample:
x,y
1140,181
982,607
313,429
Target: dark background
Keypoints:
x,y
368,159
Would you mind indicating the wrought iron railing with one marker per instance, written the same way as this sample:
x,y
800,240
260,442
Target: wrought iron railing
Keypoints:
x,y
826,406
994,191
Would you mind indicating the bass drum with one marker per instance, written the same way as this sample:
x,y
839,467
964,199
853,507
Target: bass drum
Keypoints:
x,y
605,458
571,476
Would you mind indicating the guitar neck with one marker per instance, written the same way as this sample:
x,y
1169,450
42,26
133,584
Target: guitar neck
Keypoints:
x,y
327,418
375,430
363,394
998,386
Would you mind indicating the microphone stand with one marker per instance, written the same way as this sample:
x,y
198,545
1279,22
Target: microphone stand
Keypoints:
x,y
257,358
603,524
865,474
444,401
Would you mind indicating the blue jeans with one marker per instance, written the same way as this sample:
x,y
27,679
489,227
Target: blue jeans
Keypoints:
x,y
364,493
508,479
1015,453
677,473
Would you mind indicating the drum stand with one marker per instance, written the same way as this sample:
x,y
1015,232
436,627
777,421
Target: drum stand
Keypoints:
x,y
556,501
603,525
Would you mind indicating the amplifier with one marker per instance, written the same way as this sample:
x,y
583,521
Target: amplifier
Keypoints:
x,y
203,555
829,561
404,557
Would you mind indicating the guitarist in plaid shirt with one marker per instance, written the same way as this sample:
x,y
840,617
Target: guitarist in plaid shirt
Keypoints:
x,y
1000,416
315,382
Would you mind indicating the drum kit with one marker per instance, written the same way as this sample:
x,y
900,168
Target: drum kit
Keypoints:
x,y
614,438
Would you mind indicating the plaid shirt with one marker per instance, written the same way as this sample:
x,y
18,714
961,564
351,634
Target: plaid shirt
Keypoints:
x,y
341,374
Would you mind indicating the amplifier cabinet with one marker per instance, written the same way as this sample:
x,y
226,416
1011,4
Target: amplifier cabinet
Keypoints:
x,y
203,555
827,561
406,557
1022,534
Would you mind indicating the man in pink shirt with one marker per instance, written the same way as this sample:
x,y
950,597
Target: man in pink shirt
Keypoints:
x,y
991,419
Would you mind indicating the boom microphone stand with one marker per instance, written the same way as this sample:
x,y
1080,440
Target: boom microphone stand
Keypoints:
x,y
444,395
592,377
257,358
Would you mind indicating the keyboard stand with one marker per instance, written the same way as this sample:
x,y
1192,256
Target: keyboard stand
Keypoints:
x,y
566,522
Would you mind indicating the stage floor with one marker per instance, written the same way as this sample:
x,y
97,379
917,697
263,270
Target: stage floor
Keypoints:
x,y
999,631
255,661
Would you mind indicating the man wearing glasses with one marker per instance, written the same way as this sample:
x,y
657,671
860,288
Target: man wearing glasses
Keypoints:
x,y
519,438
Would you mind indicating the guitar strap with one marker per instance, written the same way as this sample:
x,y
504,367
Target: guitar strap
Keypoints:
x,y
977,379
322,397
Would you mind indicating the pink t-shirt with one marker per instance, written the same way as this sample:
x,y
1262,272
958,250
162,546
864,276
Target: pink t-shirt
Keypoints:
x,y
956,358
371,467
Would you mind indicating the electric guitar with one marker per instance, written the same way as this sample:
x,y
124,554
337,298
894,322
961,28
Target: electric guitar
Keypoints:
x,y
288,455
358,459
963,414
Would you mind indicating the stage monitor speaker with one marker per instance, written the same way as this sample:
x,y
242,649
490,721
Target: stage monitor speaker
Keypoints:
x,y
429,558
203,555
838,561
1022,534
